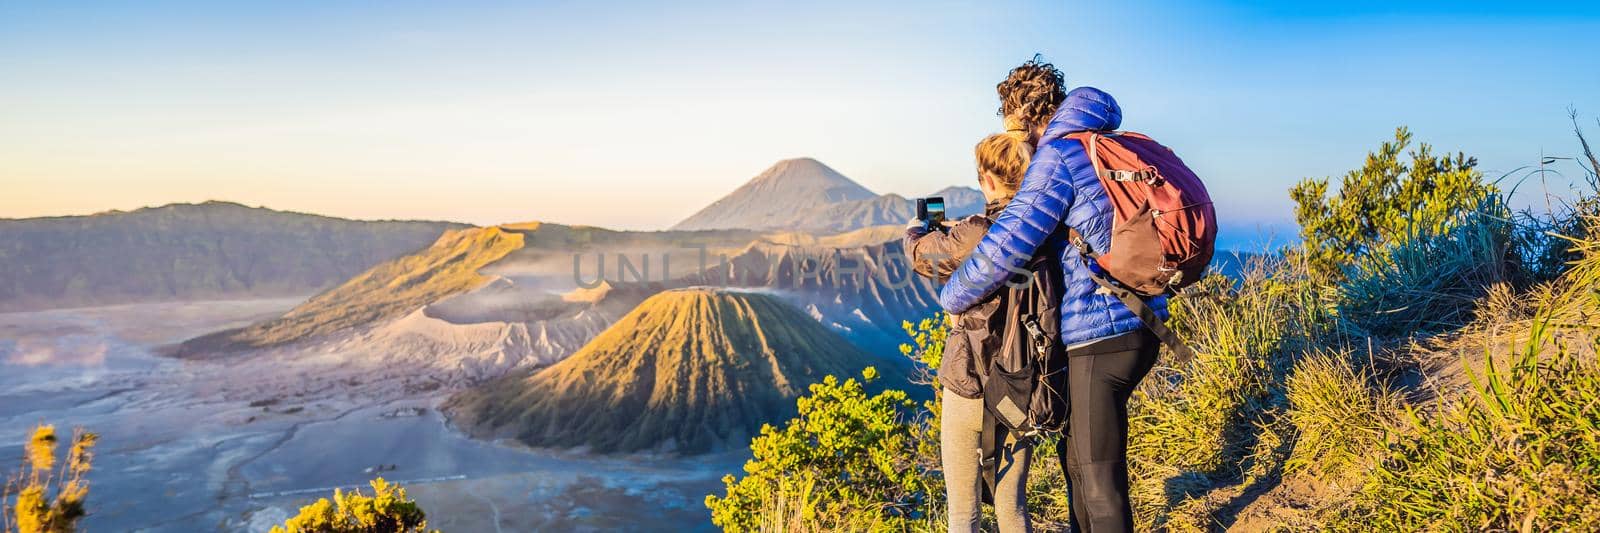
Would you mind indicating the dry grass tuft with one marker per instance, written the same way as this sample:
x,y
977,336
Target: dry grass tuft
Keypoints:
x,y
35,509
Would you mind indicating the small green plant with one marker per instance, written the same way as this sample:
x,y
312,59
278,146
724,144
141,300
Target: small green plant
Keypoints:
x,y
388,510
927,344
34,509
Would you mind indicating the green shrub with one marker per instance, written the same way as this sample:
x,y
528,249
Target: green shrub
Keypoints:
x,y
1384,203
846,462
388,510
926,352
1426,283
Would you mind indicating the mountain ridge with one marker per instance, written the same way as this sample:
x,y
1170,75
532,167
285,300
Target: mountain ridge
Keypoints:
x,y
386,291
222,204
179,251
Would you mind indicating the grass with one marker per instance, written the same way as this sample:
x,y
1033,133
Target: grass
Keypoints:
x,y
1521,454
1521,450
1340,415
1198,426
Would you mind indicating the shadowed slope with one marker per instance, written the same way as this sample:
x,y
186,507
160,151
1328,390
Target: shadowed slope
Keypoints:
x,y
691,370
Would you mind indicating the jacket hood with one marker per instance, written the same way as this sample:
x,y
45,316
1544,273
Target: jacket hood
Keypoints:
x,y
1085,109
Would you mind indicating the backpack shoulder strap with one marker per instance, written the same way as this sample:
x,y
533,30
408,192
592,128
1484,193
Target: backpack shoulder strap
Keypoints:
x,y
1151,320
1091,145
997,448
1134,302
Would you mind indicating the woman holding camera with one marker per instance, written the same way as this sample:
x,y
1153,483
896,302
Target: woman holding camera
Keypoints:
x,y
935,253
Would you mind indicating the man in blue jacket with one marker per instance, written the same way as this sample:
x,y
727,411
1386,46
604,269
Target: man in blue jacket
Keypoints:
x,y
1109,348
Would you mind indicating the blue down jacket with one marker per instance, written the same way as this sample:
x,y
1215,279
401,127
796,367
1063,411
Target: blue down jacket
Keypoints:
x,y
1060,188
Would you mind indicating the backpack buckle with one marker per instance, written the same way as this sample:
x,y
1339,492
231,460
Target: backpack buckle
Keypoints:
x,y
1147,175
1036,334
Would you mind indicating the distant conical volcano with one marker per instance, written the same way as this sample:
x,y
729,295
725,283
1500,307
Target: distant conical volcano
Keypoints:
x,y
806,195
784,196
690,370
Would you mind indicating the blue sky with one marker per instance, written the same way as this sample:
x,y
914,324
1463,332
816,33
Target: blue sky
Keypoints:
x,y
635,115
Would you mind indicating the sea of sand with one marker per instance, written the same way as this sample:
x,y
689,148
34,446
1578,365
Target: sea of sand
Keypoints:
x,y
239,443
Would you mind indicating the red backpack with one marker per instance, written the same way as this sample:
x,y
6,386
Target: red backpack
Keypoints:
x,y
1165,230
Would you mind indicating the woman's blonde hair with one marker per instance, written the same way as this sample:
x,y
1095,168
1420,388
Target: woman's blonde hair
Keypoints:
x,y
1005,157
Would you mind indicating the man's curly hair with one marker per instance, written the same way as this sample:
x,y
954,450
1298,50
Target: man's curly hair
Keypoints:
x,y
1032,92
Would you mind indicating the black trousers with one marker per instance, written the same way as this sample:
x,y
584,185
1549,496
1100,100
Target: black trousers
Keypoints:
x,y
1094,451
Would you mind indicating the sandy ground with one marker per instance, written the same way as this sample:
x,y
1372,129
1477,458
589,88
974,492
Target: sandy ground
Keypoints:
x,y
239,444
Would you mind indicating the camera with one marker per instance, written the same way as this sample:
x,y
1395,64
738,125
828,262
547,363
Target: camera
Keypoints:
x,y
930,211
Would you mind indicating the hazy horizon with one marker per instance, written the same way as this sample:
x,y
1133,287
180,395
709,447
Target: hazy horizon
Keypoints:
x,y
250,204
634,116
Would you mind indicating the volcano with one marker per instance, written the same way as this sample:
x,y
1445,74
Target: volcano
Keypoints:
x,y
785,196
689,370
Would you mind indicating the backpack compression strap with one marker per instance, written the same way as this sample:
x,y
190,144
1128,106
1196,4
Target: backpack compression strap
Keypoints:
x,y
1092,139
990,441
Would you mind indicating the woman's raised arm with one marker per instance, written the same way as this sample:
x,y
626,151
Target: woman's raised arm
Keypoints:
x,y
1036,211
